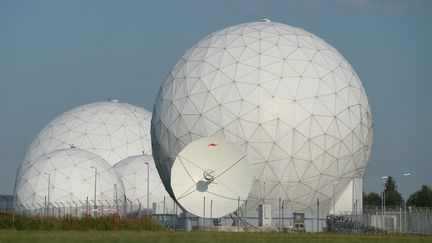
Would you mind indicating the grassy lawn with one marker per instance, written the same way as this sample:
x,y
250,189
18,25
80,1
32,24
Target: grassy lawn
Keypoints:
x,y
151,236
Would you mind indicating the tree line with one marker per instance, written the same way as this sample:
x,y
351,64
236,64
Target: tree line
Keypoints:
x,y
420,198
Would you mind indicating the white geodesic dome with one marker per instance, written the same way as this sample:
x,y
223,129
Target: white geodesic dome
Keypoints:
x,y
133,172
70,176
113,130
287,97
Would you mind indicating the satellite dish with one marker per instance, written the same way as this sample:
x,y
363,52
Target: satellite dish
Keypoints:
x,y
210,177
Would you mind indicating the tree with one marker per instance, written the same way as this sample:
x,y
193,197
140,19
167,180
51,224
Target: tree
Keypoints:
x,y
372,199
392,196
390,184
421,198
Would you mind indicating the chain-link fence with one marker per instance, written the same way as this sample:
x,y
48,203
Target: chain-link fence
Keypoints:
x,y
391,219
80,208
6,203
371,220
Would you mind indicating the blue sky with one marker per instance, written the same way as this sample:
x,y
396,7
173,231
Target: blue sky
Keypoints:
x,y
55,55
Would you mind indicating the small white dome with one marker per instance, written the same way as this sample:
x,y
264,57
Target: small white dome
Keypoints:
x,y
70,174
133,172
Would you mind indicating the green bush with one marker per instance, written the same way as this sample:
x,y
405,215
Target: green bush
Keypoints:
x,y
146,223
112,222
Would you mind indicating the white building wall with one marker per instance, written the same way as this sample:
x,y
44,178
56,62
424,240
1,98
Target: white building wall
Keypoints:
x,y
350,199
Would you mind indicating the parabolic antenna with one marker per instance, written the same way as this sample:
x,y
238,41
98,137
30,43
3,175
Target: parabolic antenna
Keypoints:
x,y
210,177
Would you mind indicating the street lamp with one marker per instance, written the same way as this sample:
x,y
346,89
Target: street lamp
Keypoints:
x,y
95,176
48,196
148,188
116,200
405,206
334,205
262,190
384,178
334,197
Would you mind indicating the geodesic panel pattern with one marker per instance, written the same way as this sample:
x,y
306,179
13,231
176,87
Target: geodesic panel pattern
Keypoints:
x,y
287,97
69,175
133,172
112,130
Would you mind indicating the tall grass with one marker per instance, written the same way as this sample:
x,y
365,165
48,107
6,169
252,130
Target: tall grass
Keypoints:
x,y
112,222
188,237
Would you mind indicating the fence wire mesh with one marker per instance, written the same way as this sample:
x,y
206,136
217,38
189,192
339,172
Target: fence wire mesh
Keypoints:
x,y
391,219
417,220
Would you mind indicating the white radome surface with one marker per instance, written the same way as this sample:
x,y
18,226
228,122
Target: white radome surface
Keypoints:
x,y
113,130
286,97
133,173
71,179
214,172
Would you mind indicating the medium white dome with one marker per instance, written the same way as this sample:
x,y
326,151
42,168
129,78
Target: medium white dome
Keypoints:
x,y
284,95
70,176
111,130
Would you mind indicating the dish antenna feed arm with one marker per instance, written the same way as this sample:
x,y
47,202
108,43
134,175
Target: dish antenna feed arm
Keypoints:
x,y
209,176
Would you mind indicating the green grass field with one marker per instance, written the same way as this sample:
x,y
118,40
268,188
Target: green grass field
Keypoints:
x,y
151,236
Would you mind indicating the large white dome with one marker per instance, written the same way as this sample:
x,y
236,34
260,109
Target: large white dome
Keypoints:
x,y
112,130
70,176
133,172
287,97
